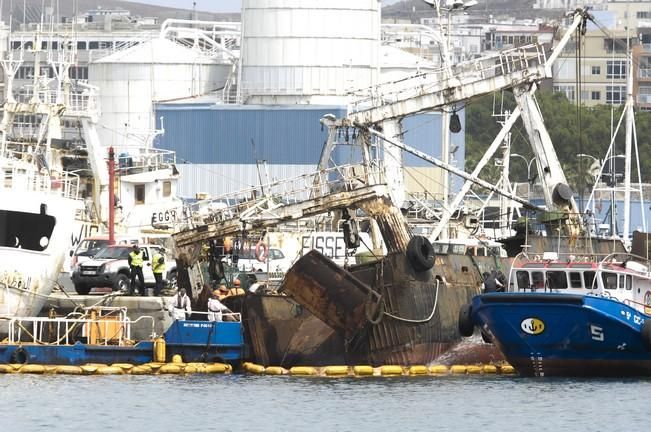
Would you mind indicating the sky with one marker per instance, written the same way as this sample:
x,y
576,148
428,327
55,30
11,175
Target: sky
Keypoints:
x,y
210,5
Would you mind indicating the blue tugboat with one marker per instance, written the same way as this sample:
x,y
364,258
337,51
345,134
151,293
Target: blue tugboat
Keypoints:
x,y
103,335
569,317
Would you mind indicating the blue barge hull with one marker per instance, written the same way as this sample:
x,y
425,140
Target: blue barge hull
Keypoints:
x,y
202,341
546,334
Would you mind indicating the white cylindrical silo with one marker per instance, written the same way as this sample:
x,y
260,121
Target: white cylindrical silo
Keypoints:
x,y
131,81
308,51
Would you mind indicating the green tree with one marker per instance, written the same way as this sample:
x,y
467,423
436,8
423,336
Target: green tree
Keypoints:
x,y
572,130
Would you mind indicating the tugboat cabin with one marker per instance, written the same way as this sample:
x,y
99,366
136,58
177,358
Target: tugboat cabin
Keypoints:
x,y
626,280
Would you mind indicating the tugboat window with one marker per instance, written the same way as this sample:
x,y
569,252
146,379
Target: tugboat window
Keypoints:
x,y
538,280
523,279
589,279
557,279
629,282
609,280
167,188
575,280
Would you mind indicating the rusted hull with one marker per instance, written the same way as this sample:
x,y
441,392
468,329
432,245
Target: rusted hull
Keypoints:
x,y
281,332
418,323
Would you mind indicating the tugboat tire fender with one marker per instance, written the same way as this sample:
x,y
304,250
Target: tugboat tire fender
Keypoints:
x,y
466,325
646,334
19,356
420,253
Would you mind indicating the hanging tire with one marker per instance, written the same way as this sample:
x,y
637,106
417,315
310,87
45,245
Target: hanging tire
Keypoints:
x,y
19,356
420,253
466,325
646,334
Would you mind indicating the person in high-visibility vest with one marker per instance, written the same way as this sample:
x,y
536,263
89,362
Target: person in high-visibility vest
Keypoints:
x,y
135,264
158,267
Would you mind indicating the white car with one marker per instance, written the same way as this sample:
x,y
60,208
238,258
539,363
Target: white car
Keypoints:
x,y
276,261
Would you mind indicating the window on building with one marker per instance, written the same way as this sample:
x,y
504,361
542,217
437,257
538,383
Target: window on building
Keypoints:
x,y
644,95
25,72
643,14
595,95
139,194
616,69
615,95
81,45
78,72
596,70
615,45
167,188
93,45
568,90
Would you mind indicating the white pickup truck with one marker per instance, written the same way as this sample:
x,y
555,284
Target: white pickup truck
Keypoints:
x,y
110,268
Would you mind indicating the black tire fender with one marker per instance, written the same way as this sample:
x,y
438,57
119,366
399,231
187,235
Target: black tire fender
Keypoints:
x,y
420,253
19,356
646,333
466,325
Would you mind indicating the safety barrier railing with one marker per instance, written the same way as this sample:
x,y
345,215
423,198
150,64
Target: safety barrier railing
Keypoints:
x,y
78,103
135,160
24,177
66,331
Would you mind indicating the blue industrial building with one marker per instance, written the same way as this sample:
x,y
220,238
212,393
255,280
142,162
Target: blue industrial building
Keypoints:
x,y
218,147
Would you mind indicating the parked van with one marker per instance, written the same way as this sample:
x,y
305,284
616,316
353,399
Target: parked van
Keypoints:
x,y
272,260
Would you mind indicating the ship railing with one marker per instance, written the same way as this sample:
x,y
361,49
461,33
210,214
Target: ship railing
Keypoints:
x,y
78,103
67,331
65,184
25,130
263,200
520,60
226,316
136,160
575,257
97,54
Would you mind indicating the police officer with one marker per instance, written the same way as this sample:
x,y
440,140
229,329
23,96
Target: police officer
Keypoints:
x,y
135,264
158,267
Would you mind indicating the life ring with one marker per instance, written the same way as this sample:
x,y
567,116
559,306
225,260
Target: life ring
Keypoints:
x,y
420,253
466,325
261,251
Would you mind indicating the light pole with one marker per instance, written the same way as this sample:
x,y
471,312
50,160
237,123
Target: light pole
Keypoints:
x,y
527,162
449,7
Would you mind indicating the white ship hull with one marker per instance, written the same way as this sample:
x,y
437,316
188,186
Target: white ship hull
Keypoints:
x,y
35,229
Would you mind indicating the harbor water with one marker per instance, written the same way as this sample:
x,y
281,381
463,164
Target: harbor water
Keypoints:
x,y
263,403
